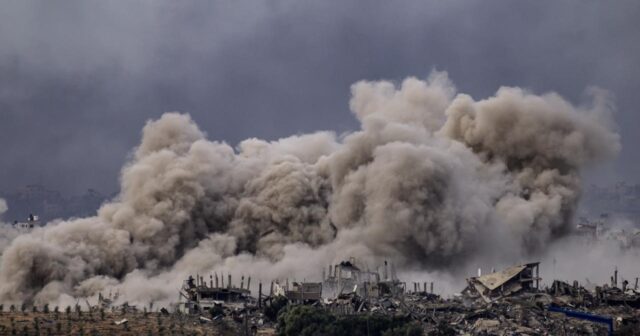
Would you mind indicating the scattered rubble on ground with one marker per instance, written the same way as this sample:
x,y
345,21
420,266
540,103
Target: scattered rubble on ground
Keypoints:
x,y
508,302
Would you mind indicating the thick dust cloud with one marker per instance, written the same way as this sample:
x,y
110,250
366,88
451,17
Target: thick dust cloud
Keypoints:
x,y
432,181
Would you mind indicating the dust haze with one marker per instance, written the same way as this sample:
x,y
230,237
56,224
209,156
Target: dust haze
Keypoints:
x,y
435,181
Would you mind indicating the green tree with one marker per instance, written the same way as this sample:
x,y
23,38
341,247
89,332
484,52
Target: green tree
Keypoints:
x,y
408,329
312,321
304,321
272,310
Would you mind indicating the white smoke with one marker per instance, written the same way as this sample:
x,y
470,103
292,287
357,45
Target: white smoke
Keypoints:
x,y
7,231
433,181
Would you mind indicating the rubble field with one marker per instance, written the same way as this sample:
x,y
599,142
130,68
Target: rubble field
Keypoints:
x,y
352,301
508,302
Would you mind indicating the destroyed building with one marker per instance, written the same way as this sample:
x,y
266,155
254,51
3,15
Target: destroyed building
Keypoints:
x,y
196,296
504,283
299,292
508,302
346,277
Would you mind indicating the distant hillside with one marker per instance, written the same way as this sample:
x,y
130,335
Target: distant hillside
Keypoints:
x,y
50,204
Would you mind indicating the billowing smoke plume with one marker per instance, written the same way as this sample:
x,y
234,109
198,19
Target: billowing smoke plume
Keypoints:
x,y
7,232
431,179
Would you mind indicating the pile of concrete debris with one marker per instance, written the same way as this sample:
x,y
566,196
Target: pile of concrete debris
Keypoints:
x,y
508,302
511,302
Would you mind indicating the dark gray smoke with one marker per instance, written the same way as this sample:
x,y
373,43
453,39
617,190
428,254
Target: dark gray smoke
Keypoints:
x,y
432,178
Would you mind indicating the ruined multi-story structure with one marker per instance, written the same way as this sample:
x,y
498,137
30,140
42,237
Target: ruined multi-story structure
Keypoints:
x,y
299,292
509,281
196,296
347,276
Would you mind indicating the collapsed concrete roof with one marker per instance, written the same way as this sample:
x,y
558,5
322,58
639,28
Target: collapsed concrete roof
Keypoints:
x,y
494,280
505,282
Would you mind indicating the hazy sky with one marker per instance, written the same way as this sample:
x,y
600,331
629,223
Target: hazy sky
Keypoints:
x,y
78,79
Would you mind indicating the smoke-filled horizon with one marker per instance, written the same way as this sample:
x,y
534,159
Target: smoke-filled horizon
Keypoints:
x,y
432,181
78,75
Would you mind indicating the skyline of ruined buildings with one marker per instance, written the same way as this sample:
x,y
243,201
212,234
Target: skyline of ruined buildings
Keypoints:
x,y
513,298
348,277
488,302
